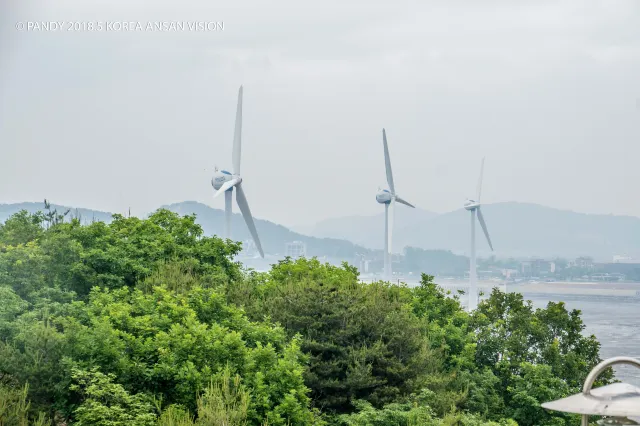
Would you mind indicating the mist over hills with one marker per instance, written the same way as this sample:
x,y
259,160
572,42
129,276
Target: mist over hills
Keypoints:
x,y
367,230
516,229
273,236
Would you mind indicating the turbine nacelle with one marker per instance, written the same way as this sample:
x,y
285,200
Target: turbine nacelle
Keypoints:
x,y
384,196
471,205
219,178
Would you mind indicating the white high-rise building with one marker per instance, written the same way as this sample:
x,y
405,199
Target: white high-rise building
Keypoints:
x,y
295,249
249,249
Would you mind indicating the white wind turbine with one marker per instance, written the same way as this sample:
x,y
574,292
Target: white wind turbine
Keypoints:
x,y
388,198
223,181
474,207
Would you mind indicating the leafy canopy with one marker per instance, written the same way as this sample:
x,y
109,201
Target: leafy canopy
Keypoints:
x,y
147,321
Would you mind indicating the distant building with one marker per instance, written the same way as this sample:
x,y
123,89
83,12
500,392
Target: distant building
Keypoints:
x,y
537,268
249,249
582,263
623,259
487,274
510,273
295,249
621,270
361,263
606,277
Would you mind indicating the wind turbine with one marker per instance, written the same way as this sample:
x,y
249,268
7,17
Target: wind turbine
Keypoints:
x,y
224,181
388,197
474,207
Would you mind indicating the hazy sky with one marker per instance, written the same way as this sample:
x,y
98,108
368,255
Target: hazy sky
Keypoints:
x,y
548,91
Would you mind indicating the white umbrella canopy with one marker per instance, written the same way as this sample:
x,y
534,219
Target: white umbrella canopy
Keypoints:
x,y
619,402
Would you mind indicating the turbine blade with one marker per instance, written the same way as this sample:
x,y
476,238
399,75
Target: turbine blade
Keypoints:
x,y
237,135
390,226
227,185
387,162
406,203
241,199
480,179
484,227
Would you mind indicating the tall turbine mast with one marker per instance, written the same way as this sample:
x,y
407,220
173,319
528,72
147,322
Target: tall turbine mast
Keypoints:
x,y
388,198
473,206
224,181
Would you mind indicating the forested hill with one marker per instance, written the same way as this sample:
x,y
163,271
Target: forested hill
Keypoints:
x,y
273,236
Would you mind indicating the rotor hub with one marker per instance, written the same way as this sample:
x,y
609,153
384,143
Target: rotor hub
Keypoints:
x,y
219,178
471,205
384,196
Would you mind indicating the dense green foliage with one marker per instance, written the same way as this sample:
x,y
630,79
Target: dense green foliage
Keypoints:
x,y
148,322
273,236
363,340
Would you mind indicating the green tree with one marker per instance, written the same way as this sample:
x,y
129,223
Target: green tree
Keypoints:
x,y
110,323
106,403
52,217
21,228
224,402
536,354
450,333
14,408
122,253
363,340
534,385
23,268
510,331
172,344
447,323
413,412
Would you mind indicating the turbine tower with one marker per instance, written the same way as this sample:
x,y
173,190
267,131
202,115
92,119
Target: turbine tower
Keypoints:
x,y
474,207
388,197
224,181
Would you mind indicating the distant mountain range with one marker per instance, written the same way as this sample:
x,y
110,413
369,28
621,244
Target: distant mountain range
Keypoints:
x,y
273,236
367,231
517,230
85,215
